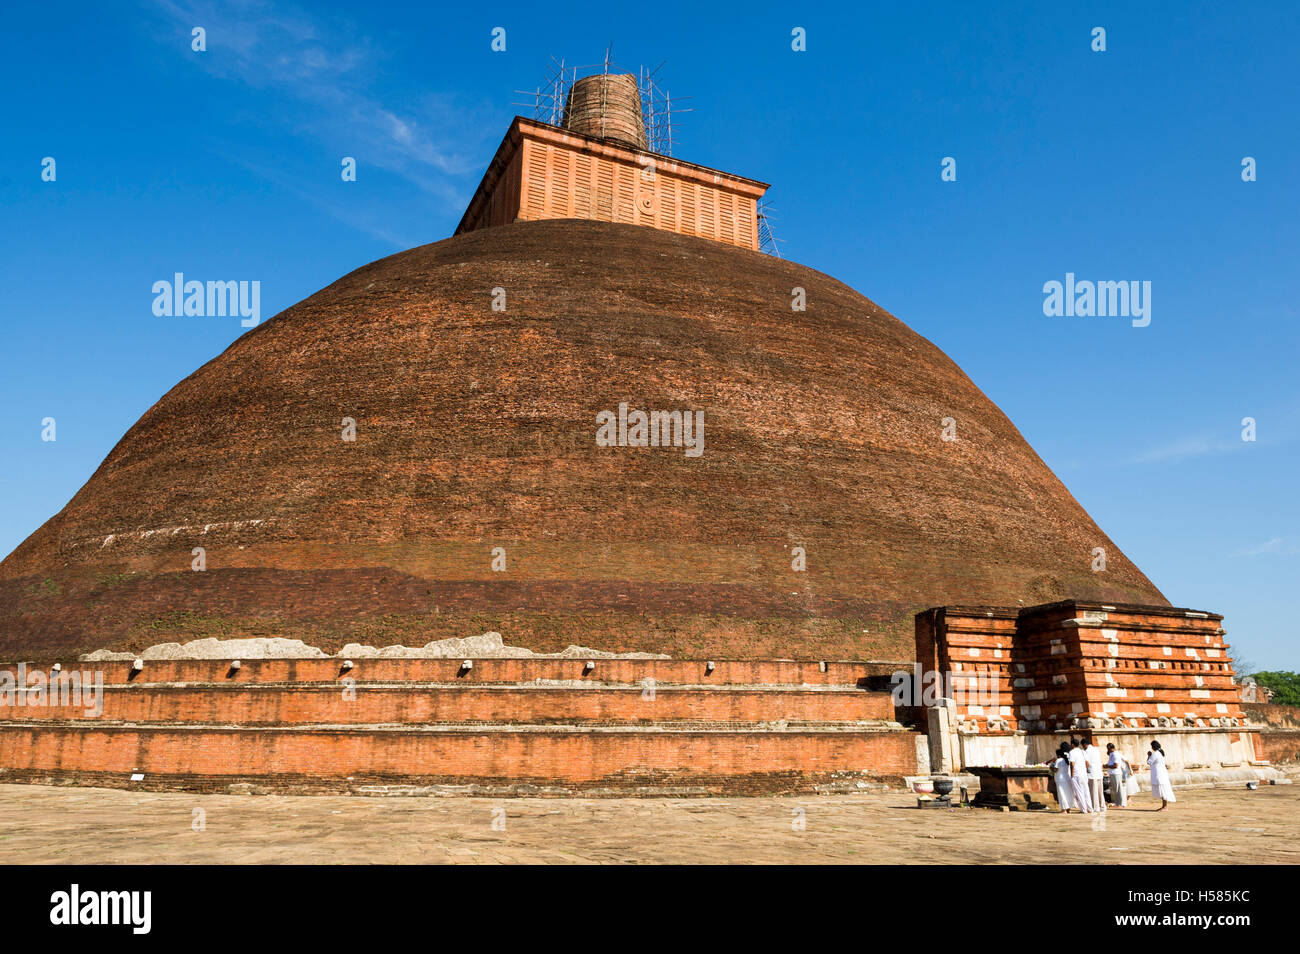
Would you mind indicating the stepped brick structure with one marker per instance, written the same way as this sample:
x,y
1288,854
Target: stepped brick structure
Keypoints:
x,y
412,454
504,726
1025,678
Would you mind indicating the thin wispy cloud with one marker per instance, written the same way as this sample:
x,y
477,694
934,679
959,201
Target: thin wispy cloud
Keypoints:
x,y
1274,547
1188,447
329,72
1272,427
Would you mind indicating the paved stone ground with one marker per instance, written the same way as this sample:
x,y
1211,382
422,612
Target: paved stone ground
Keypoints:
x,y
40,824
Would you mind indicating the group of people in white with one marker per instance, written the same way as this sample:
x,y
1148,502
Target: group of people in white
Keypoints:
x,y
1080,776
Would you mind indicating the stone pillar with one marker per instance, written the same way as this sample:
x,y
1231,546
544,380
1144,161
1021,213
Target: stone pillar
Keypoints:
x,y
941,726
922,755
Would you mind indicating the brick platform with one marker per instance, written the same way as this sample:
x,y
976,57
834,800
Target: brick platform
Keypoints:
x,y
1081,665
500,725
1021,680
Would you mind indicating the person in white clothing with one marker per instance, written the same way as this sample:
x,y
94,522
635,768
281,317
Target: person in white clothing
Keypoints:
x,y
1079,778
1160,785
1115,771
1096,795
1061,775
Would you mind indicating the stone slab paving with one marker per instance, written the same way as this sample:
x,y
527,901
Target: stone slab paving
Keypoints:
x,y
43,824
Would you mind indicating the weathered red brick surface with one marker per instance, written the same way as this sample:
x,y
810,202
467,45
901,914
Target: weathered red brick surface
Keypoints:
x,y
263,704
1272,714
1278,745
744,726
1081,664
476,429
736,672
1279,740
502,754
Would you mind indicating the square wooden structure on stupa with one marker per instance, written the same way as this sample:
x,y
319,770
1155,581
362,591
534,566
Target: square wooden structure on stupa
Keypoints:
x,y
542,171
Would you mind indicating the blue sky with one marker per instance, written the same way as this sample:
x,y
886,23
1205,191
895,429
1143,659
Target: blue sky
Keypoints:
x,y
1123,164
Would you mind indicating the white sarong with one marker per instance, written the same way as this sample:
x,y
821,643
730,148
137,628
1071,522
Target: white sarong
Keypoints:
x,y
1079,780
1064,791
1082,798
1160,785
1117,793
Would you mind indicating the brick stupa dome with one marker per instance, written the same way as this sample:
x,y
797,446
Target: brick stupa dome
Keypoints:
x,y
475,429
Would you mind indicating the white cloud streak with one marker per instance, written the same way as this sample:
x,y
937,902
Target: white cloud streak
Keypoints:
x,y
1188,447
1275,547
327,73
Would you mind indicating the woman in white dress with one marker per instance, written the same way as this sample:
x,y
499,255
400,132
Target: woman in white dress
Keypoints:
x,y
1115,770
1079,777
1061,775
1160,787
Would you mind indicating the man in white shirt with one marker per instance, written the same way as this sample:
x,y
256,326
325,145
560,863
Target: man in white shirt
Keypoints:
x,y
1079,778
1096,794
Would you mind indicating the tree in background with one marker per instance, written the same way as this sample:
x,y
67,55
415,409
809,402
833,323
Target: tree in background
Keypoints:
x,y
1285,686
